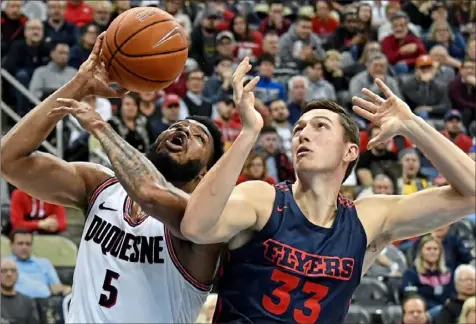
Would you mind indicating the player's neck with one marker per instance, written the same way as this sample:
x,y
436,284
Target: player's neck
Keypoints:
x,y
8,291
317,198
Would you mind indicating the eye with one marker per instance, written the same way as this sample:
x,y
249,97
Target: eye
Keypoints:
x,y
297,130
200,138
320,125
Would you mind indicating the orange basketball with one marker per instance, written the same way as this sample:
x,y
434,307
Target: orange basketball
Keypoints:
x,y
144,49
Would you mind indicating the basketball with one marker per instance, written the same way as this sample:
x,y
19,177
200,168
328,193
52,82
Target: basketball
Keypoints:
x,y
144,49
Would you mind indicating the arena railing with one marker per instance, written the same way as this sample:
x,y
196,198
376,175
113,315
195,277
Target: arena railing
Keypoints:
x,y
59,149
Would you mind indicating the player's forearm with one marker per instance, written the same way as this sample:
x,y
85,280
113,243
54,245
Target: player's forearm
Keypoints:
x,y
457,167
201,216
139,177
34,128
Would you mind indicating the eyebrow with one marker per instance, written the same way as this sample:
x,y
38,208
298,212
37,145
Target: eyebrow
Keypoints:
x,y
315,117
203,127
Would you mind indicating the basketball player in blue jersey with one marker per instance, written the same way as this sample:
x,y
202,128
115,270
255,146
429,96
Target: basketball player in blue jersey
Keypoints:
x,y
297,251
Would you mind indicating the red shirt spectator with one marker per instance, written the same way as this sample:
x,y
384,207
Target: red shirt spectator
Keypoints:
x,y
453,131
78,13
12,24
228,121
324,24
275,20
395,144
36,215
248,42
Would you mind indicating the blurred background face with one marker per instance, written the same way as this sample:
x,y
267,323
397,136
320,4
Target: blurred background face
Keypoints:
x,y
383,186
239,26
56,10
392,9
89,37
148,96
378,67
468,69
298,90
171,112
13,9
129,108
454,126
225,110
414,312
471,48
315,72
102,14
60,55
173,6
442,33
410,165
21,246
9,274
266,69
304,29
400,28
123,5
256,168
279,111
333,63
350,22
430,252
225,47
373,48
196,82
276,11
439,54
34,31
271,44
466,283
224,67
269,142
429,70
322,9
365,13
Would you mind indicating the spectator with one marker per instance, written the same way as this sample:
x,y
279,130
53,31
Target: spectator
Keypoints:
x,y
226,44
170,111
426,97
275,21
454,130
38,277
370,49
468,313
319,88
442,34
298,89
204,41
278,165
465,279
414,310
16,308
456,252
148,107
36,215
78,13
378,11
471,47
195,102
267,89
377,67
12,24
174,7
419,12
365,30
80,52
376,160
24,57
56,28
120,6
249,43
280,114
381,185
102,11
220,84
130,124
255,169
429,275
411,181
386,29
299,43
49,78
345,34
227,123
462,91
324,23
333,72
442,62
402,48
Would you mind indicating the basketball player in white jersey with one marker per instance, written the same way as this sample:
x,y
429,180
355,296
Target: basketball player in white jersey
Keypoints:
x,y
131,267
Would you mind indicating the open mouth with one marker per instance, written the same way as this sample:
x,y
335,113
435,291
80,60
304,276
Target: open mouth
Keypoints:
x,y
177,142
302,150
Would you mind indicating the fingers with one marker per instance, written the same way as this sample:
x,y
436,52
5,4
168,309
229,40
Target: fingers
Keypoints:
x,y
63,110
67,102
373,96
252,84
121,92
365,104
386,90
97,46
364,113
241,69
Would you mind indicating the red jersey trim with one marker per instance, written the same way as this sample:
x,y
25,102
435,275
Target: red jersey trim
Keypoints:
x,y
187,276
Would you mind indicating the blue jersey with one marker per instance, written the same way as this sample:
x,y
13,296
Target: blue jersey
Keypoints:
x,y
293,271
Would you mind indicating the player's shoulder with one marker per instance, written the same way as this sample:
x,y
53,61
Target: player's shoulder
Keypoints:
x,y
254,191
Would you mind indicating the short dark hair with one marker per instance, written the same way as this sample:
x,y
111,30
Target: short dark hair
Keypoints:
x,y
268,130
266,57
313,61
412,297
85,28
399,15
52,47
194,71
225,58
216,135
304,18
19,231
351,130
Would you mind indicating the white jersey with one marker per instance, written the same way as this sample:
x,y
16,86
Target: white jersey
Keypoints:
x,y
128,272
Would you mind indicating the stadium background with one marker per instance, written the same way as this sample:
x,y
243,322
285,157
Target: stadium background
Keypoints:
x,y
303,50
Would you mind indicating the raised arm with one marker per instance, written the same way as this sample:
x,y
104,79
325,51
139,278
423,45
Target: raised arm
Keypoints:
x,y
43,175
217,211
422,212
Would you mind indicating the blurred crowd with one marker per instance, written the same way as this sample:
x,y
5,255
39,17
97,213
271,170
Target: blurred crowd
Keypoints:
x,y
424,50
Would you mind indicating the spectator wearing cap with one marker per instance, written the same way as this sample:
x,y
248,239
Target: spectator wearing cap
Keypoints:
x,y
275,20
12,24
267,89
402,48
299,44
377,67
227,120
226,44
462,91
249,43
319,88
324,23
79,12
386,29
56,28
426,97
441,34
194,100
220,83
444,65
454,130
170,112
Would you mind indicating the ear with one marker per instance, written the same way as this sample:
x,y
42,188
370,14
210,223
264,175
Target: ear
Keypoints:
x,y
352,153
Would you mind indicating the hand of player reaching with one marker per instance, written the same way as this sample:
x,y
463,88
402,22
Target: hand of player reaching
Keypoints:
x,y
390,114
245,99
95,75
87,117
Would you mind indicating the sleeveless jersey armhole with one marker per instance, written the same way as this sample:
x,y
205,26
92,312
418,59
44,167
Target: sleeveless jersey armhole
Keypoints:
x,y
100,188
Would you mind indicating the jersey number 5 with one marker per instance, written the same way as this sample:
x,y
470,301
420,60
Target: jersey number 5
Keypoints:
x,y
312,308
105,300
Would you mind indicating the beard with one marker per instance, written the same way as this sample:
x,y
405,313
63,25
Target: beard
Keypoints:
x,y
173,171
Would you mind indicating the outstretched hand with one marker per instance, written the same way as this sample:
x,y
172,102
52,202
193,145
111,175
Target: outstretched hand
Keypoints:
x,y
87,116
244,98
389,114
95,74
